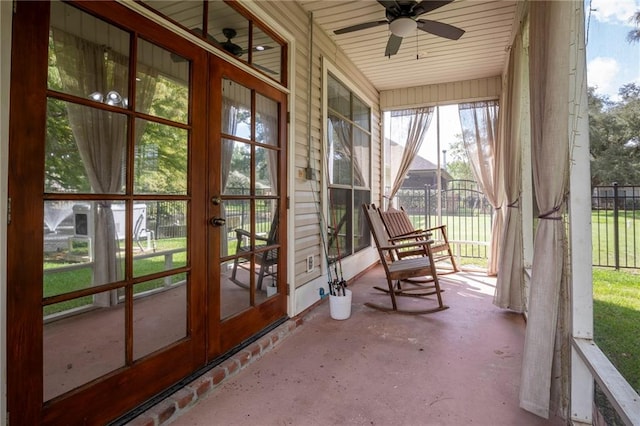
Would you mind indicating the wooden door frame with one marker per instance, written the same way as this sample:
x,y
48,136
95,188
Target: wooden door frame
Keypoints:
x,y
24,235
225,335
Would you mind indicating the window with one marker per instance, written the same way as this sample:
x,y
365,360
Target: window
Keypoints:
x,y
227,26
349,168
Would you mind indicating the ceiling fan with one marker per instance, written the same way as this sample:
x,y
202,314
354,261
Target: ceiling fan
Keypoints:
x,y
234,49
401,17
230,47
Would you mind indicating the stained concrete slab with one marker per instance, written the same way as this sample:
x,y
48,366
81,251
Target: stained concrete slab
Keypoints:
x,y
460,366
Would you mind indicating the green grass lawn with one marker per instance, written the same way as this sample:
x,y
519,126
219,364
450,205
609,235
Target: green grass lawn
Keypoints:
x,y
616,310
67,281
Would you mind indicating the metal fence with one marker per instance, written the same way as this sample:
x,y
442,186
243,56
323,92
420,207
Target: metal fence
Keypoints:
x,y
167,219
615,226
467,214
461,206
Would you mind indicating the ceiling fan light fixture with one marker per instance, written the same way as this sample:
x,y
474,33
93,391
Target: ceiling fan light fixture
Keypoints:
x,y
403,26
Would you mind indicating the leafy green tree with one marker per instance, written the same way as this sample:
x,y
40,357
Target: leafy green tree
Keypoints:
x,y
458,165
634,35
63,166
614,129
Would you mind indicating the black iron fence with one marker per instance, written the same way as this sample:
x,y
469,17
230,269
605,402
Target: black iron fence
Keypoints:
x,y
615,226
615,218
467,214
167,219
461,206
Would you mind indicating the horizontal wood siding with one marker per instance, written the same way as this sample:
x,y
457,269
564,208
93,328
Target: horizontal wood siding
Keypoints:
x,y
441,94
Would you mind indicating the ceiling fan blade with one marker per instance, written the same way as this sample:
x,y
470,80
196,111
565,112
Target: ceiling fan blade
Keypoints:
x,y
177,58
393,45
391,6
428,5
358,27
265,69
440,29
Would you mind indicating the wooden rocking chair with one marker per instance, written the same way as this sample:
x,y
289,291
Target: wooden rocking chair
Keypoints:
x,y
265,260
399,224
397,269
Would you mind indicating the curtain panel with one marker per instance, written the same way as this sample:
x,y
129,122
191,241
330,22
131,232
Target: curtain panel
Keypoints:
x,y
416,129
546,349
89,69
479,123
510,281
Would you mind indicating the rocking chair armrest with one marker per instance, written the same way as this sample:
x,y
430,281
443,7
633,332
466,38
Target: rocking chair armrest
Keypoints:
x,y
412,232
243,233
434,228
411,235
420,243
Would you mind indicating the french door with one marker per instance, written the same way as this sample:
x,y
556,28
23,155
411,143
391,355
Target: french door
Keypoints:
x,y
146,189
247,205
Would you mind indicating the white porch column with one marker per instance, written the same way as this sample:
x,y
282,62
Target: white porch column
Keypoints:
x,y
580,259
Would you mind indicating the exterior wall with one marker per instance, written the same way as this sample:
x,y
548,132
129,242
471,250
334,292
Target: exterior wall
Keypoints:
x,y
306,149
5,61
444,93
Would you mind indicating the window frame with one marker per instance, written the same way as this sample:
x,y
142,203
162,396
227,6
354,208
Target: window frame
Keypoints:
x,y
355,245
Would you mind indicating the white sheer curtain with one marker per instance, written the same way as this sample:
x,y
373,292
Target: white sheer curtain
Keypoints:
x,y
267,115
342,130
545,358
87,68
510,282
419,121
229,126
479,123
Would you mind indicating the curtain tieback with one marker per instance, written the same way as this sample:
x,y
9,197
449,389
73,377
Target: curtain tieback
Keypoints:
x,y
550,214
515,204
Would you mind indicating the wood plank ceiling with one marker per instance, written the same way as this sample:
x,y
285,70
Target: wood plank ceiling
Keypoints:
x,y
423,58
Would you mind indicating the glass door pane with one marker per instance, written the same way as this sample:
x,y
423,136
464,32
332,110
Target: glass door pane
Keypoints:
x,y
116,210
250,244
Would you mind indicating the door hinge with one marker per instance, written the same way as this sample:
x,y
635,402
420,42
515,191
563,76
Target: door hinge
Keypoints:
x,y
288,203
288,117
288,288
9,211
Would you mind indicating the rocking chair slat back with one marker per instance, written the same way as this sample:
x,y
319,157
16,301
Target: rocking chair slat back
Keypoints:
x,y
398,224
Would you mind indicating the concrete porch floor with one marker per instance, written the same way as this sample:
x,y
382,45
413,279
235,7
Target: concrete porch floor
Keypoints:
x,y
455,367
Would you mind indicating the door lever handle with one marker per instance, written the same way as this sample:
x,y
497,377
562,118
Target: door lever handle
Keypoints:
x,y
217,221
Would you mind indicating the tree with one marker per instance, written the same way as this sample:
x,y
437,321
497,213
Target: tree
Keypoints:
x,y
634,35
614,129
459,166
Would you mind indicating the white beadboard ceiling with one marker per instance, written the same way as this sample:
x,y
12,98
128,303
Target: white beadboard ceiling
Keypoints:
x,y
423,58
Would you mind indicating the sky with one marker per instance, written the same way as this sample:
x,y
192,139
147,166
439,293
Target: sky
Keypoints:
x,y
611,60
611,63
